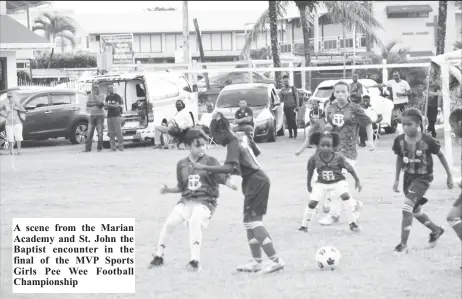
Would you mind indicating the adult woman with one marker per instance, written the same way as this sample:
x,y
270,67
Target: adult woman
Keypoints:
x,y
14,113
289,96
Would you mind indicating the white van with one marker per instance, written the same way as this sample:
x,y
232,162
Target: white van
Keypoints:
x,y
149,100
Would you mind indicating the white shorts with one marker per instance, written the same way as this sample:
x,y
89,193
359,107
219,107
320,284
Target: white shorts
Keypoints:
x,y
193,209
320,191
14,133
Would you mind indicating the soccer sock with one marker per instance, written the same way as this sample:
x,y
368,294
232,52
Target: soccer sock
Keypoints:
x,y
262,235
255,247
425,220
307,215
406,224
169,227
195,234
348,210
335,208
456,224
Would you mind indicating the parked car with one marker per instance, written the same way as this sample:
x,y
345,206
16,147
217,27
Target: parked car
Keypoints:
x,y
220,80
51,113
263,100
382,105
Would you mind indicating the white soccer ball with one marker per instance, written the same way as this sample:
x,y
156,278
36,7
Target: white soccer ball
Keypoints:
x,y
328,258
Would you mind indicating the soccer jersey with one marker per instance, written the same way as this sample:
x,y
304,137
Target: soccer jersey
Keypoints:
x,y
417,157
329,172
241,156
316,115
346,122
199,185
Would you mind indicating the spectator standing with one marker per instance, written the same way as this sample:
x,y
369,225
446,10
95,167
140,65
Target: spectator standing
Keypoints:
x,y
113,104
434,102
289,96
95,103
375,117
400,90
356,90
14,113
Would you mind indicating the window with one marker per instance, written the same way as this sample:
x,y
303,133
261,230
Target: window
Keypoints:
x,y
207,41
156,43
136,43
37,102
216,41
255,97
236,78
170,43
226,42
62,99
405,15
145,43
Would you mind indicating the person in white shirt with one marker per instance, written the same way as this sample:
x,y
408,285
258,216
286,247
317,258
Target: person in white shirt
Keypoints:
x,y
206,118
375,117
400,89
180,123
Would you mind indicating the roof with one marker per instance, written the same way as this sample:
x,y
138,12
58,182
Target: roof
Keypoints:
x,y
12,32
164,21
13,6
409,8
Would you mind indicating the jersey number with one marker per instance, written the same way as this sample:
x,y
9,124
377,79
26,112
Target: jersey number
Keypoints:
x,y
194,182
338,120
328,175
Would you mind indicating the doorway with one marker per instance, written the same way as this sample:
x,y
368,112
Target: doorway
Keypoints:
x,y
3,74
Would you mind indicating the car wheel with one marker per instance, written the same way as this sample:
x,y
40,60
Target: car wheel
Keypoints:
x,y
164,137
79,133
3,140
106,144
272,134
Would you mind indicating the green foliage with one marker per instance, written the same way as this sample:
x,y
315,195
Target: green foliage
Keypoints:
x,y
65,60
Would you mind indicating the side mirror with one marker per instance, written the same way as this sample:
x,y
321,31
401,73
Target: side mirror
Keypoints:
x,y
186,88
195,88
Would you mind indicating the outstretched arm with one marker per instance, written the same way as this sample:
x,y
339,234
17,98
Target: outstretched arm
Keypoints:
x,y
311,167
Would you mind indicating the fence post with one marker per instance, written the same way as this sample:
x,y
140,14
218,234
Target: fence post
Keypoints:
x,y
291,74
250,72
384,71
303,75
195,96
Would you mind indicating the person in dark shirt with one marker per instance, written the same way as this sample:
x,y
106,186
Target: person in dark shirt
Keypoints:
x,y
356,90
113,105
316,113
244,119
414,150
434,101
241,160
289,96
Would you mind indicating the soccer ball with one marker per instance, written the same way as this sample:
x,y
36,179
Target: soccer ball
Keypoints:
x,y
328,258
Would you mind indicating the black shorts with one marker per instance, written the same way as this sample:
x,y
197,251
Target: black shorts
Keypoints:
x,y
416,185
256,193
458,201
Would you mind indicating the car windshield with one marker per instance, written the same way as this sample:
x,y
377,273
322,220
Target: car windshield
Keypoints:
x,y
255,97
217,78
325,92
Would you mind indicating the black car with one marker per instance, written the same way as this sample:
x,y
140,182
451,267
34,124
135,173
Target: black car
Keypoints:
x,y
51,113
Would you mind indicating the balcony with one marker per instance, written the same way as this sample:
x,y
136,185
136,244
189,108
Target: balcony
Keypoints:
x,y
327,45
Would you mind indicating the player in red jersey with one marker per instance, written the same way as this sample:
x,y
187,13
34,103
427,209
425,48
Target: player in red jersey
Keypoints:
x,y
455,214
329,166
241,160
346,117
199,192
414,150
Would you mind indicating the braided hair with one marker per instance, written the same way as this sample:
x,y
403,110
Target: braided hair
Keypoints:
x,y
415,114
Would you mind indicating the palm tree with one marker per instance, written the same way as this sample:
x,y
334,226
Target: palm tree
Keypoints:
x,y
442,17
53,27
273,20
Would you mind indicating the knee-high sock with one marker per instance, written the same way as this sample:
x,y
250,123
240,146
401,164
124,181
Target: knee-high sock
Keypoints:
x,y
406,224
347,206
307,215
262,235
172,222
425,220
195,233
255,247
456,224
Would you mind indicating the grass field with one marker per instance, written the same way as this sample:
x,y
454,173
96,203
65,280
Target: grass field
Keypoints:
x,y
57,181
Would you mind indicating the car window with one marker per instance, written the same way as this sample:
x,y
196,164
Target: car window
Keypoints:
x,y
81,98
162,89
239,78
218,79
325,92
255,97
37,102
182,83
62,99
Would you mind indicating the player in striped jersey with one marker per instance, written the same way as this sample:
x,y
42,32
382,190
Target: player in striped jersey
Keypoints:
x,y
455,214
329,166
414,150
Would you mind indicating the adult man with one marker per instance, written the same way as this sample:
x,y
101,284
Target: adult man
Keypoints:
x,y
114,123
434,102
356,90
289,96
182,121
95,105
375,117
243,119
400,90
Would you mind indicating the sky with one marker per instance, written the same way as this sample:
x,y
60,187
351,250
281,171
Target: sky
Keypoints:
x,y
87,7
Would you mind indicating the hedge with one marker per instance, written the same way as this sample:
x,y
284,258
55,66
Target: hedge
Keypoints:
x,y
65,60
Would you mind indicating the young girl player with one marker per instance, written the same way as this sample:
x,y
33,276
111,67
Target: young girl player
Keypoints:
x,y
199,192
241,160
329,166
414,150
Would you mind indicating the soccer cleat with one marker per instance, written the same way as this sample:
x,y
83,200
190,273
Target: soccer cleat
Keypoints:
x,y
400,248
357,210
434,238
329,219
253,266
273,267
354,227
303,229
193,266
157,261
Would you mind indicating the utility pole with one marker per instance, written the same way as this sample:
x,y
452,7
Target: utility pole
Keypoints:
x,y
185,33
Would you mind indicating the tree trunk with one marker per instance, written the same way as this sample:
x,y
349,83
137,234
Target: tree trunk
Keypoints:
x,y
274,40
442,16
367,5
51,57
201,52
344,52
306,44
